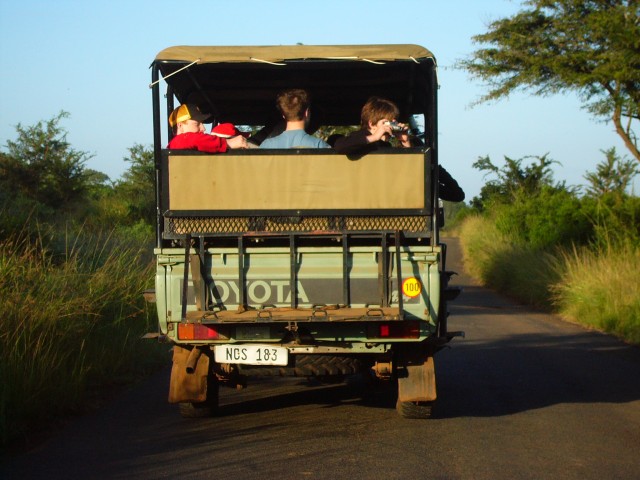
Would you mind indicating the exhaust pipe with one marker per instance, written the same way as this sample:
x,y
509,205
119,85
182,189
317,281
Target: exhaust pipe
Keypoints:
x,y
192,360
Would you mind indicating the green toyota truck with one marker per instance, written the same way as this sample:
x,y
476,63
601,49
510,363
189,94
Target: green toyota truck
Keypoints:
x,y
301,262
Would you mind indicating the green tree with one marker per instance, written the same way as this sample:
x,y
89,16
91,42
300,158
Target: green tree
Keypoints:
x,y
614,214
612,176
41,165
137,185
527,204
591,47
512,179
550,217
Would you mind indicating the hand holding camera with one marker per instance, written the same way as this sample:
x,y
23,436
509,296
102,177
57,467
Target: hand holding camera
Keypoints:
x,y
397,127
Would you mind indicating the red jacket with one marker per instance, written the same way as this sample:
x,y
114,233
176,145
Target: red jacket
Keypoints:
x,y
198,141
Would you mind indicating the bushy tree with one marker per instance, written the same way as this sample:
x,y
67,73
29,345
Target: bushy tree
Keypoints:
x,y
41,165
510,180
552,217
612,176
614,213
591,47
526,203
136,188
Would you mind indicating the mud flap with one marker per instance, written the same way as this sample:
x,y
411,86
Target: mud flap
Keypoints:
x,y
417,382
184,386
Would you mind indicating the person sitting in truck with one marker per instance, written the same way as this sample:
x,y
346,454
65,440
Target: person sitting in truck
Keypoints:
x,y
294,105
378,125
187,122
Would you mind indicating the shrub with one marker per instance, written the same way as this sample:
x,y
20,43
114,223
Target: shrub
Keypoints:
x,y
615,219
553,217
544,245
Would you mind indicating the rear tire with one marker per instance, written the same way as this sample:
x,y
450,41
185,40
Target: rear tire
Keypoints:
x,y
417,410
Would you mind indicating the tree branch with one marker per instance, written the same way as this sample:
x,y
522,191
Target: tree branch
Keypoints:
x,y
626,137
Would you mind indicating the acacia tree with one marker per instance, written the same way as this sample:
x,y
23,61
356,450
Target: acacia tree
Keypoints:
x,y
591,47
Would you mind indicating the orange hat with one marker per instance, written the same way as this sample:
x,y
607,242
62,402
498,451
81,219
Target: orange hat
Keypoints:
x,y
187,111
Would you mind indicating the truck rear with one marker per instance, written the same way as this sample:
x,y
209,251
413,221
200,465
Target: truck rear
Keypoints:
x,y
299,262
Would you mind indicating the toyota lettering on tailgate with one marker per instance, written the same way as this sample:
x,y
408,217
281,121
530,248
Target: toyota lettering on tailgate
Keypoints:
x,y
260,291
277,291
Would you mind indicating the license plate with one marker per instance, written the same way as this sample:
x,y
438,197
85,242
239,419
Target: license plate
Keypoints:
x,y
252,354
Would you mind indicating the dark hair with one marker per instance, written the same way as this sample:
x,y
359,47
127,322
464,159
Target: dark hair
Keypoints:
x,y
376,109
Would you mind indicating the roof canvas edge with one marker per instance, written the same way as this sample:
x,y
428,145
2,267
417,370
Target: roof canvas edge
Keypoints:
x,y
275,54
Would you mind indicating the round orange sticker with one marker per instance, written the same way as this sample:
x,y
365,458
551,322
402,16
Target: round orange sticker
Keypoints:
x,y
411,287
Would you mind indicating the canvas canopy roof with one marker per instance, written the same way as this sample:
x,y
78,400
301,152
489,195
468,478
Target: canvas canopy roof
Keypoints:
x,y
292,52
239,84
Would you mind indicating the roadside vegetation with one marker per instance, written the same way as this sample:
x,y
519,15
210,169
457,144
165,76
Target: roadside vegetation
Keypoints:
x,y
571,251
551,246
74,261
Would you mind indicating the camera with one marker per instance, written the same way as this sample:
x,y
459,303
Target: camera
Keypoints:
x,y
396,127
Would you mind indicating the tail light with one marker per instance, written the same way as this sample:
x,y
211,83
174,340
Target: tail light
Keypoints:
x,y
394,330
197,331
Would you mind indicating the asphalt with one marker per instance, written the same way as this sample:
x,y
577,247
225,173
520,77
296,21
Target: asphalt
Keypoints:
x,y
525,395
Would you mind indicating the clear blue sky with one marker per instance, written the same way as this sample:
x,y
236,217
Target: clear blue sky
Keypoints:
x,y
91,58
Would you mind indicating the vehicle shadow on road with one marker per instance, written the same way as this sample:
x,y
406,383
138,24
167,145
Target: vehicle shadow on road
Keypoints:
x,y
354,389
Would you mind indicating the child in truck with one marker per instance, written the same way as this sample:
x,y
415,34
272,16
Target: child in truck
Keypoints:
x,y
187,122
377,126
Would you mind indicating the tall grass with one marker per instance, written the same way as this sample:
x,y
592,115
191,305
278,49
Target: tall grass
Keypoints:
x,y
598,288
602,289
70,321
499,261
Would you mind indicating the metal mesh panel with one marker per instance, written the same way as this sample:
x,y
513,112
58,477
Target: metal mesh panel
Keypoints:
x,y
230,225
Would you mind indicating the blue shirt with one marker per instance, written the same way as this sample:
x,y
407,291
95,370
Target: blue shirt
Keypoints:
x,y
294,139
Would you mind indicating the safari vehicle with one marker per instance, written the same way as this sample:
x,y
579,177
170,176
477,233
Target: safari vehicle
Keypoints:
x,y
299,262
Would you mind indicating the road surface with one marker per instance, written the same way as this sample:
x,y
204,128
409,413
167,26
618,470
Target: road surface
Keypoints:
x,y
523,396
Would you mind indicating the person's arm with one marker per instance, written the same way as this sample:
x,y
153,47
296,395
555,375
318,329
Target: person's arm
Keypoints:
x,y
448,188
355,142
198,141
209,143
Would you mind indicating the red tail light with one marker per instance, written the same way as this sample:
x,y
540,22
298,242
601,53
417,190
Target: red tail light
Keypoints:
x,y
394,330
197,331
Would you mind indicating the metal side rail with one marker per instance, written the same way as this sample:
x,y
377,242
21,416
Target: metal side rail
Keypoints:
x,y
286,314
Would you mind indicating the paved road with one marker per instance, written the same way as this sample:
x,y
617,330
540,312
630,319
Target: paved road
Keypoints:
x,y
524,395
